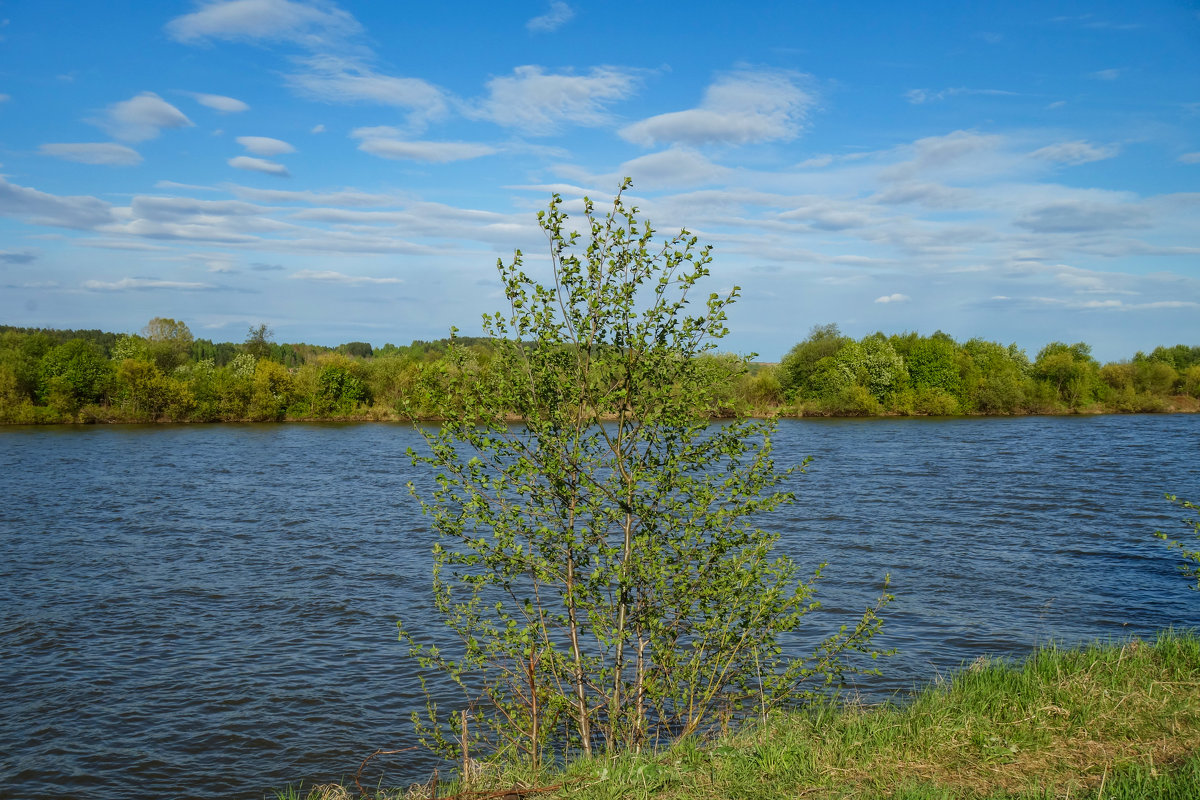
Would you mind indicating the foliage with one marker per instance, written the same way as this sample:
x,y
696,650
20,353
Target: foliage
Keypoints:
x,y
801,361
1070,370
340,388
258,341
274,391
73,374
356,349
827,373
599,563
1191,566
168,342
933,364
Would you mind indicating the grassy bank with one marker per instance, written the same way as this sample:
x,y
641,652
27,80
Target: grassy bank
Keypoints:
x,y
1105,721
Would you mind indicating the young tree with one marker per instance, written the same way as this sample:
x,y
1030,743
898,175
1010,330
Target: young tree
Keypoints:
x,y
600,562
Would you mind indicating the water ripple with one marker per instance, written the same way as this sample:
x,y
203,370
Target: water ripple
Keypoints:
x,y
210,611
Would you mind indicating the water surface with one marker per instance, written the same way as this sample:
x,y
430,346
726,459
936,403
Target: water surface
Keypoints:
x,y
209,611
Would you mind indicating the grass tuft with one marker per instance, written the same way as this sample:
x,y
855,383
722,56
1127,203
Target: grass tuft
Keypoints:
x,y
1118,720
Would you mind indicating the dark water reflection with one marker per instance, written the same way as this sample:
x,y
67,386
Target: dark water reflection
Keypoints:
x,y
209,611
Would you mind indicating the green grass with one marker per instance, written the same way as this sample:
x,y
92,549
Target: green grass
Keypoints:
x,y
1104,721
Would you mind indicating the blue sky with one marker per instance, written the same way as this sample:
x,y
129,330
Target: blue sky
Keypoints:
x,y
348,171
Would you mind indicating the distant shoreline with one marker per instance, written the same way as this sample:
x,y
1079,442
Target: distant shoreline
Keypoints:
x,y
86,417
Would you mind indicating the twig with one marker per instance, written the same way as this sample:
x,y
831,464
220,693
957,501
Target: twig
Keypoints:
x,y
361,791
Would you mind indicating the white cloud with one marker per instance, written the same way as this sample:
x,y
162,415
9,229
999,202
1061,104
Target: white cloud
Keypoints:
x,y
555,17
48,209
140,118
107,153
4,98
539,103
673,168
312,24
142,284
191,187
433,152
816,162
678,166
181,208
346,197
9,257
1107,74
1190,158
220,265
1078,152
919,96
259,165
317,129
329,276
741,108
221,103
1081,215
961,154
265,145
332,79
893,298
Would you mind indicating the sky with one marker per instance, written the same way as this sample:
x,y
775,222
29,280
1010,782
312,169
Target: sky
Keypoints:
x,y
351,171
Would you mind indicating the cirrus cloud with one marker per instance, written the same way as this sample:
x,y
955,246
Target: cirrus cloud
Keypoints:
x,y
556,16
265,145
81,212
334,79
221,103
143,284
539,103
106,153
259,165
330,276
1078,152
744,107
140,117
381,142
312,24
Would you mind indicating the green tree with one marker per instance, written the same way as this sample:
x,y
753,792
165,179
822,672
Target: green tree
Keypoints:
x,y
72,375
994,376
356,349
800,363
932,364
600,563
1069,370
168,342
340,387
146,393
273,391
258,341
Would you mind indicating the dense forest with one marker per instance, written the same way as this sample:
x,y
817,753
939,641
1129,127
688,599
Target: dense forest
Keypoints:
x,y
166,374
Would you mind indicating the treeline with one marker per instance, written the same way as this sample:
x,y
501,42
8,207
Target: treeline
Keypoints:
x,y
166,374
829,373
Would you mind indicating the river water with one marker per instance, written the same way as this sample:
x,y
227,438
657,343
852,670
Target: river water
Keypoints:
x,y
209,611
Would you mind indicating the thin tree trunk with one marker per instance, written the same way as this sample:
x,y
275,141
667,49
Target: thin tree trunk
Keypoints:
x,y
622,613
585,728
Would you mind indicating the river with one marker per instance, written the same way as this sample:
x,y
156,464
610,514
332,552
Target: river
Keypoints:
x,y
209,611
